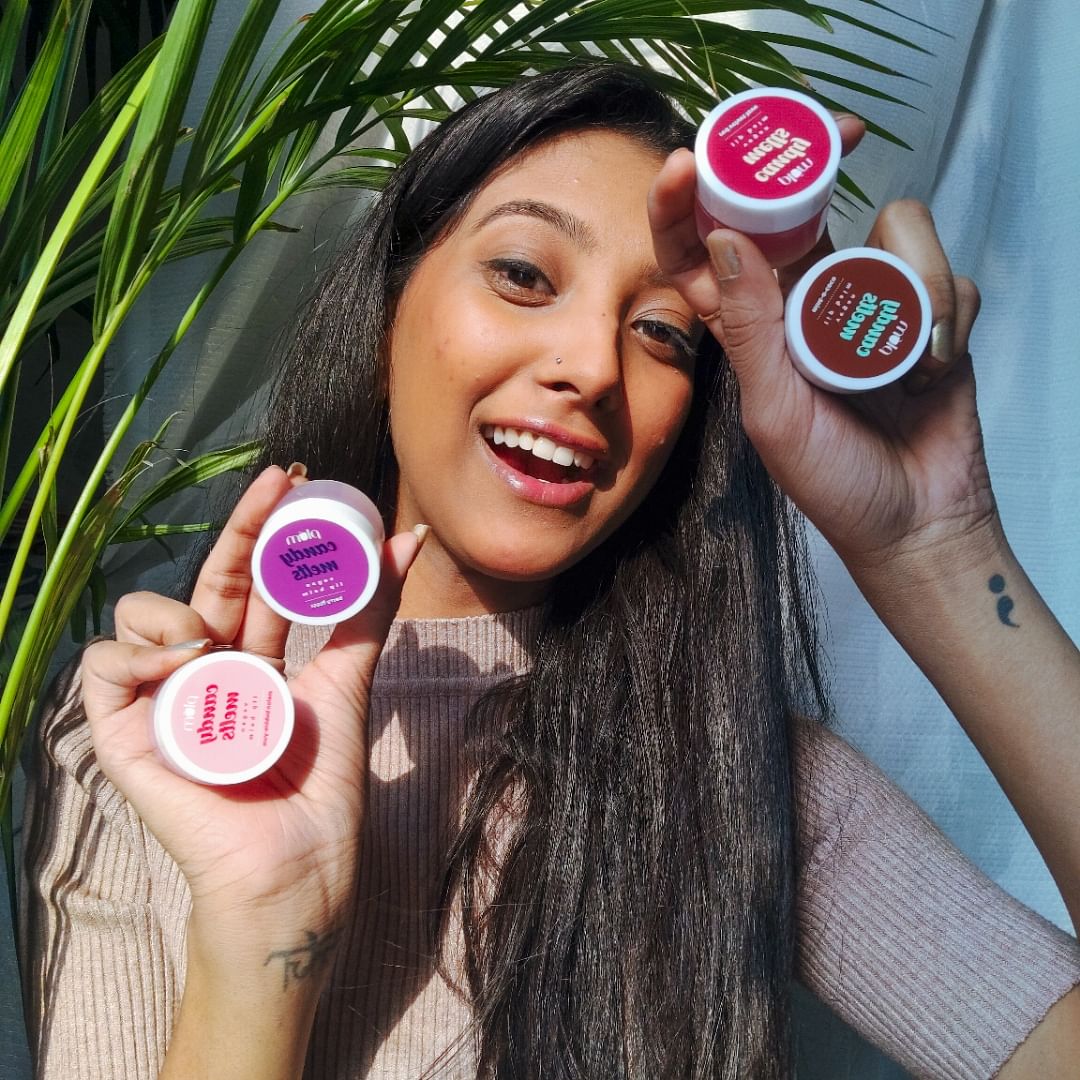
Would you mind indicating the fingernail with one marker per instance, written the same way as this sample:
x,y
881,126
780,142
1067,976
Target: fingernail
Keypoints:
x,y
846,116
297,468
182,646
421,534
724,258
941,341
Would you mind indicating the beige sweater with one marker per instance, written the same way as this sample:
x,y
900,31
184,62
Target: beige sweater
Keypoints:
x,y
897,931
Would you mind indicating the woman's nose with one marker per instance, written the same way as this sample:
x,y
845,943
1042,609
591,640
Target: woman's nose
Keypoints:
x,y
588,366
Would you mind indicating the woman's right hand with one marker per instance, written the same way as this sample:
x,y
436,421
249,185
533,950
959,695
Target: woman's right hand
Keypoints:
x,y
287,841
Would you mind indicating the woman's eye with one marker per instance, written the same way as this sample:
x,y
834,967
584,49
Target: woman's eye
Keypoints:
x,y
672,339
519,277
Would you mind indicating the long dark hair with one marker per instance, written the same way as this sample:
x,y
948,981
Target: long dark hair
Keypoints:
x,y
640,921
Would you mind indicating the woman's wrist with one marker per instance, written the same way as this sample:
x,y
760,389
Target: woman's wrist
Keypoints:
x,y
940,559
249,999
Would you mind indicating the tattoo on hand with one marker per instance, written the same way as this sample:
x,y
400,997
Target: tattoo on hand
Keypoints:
x,y
303,961
1005,604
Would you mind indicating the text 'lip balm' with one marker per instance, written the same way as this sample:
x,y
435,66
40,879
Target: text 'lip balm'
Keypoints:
x,y
767,163
858,319
317,558
223,718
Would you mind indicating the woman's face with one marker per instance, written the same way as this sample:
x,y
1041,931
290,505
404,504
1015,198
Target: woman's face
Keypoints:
x,y
541,370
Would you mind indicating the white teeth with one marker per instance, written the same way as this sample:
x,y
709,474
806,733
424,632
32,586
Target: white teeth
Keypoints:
x,y
543,448
539,445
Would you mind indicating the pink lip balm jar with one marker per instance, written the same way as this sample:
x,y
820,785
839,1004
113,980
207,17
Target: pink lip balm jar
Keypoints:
x,y
857,320
223,718
767,163
317,558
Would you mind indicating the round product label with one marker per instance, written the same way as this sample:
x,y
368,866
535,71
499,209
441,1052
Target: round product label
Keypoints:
x,y
227,717
314,567
861,318
769,148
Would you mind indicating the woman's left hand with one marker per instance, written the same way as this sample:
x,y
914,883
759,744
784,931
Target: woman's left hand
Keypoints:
x,y
889,472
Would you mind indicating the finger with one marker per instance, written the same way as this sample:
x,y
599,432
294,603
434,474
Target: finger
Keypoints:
x,y
680,254
373,623
852,131
263,631
297,473
353,649
749,322
145,618
676,242
789,275
113,672
906,228
968,306
224,583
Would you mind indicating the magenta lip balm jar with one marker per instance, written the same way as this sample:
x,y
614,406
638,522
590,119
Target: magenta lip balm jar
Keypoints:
x,y
767,163
223,718
317,558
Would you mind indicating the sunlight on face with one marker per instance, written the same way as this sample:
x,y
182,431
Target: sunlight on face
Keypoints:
x,y
541,370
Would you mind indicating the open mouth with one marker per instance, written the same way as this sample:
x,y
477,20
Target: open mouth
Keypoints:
x,y
538,456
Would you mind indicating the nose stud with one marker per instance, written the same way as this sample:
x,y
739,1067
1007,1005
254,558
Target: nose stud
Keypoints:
x,y
558,359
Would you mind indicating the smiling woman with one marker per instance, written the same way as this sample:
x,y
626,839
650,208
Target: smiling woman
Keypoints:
x,y
566,816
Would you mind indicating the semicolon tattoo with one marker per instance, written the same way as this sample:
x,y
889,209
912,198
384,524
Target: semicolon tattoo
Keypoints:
x,y
303,961
1005,603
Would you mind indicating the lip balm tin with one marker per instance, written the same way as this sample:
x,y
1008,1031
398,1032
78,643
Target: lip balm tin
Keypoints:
x,y
858,319
223,718
317,558
767,163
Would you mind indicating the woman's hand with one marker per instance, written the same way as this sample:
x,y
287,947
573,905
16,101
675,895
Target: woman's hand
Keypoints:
x,y
286,841
894,471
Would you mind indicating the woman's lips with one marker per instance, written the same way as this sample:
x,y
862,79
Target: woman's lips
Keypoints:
x,y
534,488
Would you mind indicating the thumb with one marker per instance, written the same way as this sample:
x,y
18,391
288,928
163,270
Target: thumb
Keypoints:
x,y
368,628
749,323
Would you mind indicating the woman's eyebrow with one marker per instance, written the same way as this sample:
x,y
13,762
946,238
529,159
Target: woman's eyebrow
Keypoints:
x,y
577,230
573,228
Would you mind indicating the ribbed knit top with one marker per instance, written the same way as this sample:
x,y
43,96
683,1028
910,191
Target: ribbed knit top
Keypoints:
x,y
897,931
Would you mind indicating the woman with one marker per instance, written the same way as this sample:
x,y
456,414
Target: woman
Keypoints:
x,y
642,837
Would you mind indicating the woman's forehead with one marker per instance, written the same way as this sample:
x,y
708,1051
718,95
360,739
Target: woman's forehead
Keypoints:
x,y
590,186
584,167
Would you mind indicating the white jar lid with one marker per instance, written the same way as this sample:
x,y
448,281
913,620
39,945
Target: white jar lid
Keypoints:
x,y
858,319
767,160
246,734
317,559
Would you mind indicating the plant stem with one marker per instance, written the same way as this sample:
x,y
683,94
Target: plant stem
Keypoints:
x,y
83,380
7,420
36,284
15,496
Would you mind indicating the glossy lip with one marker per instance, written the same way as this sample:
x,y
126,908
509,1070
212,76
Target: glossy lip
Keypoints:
x,y
560,496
